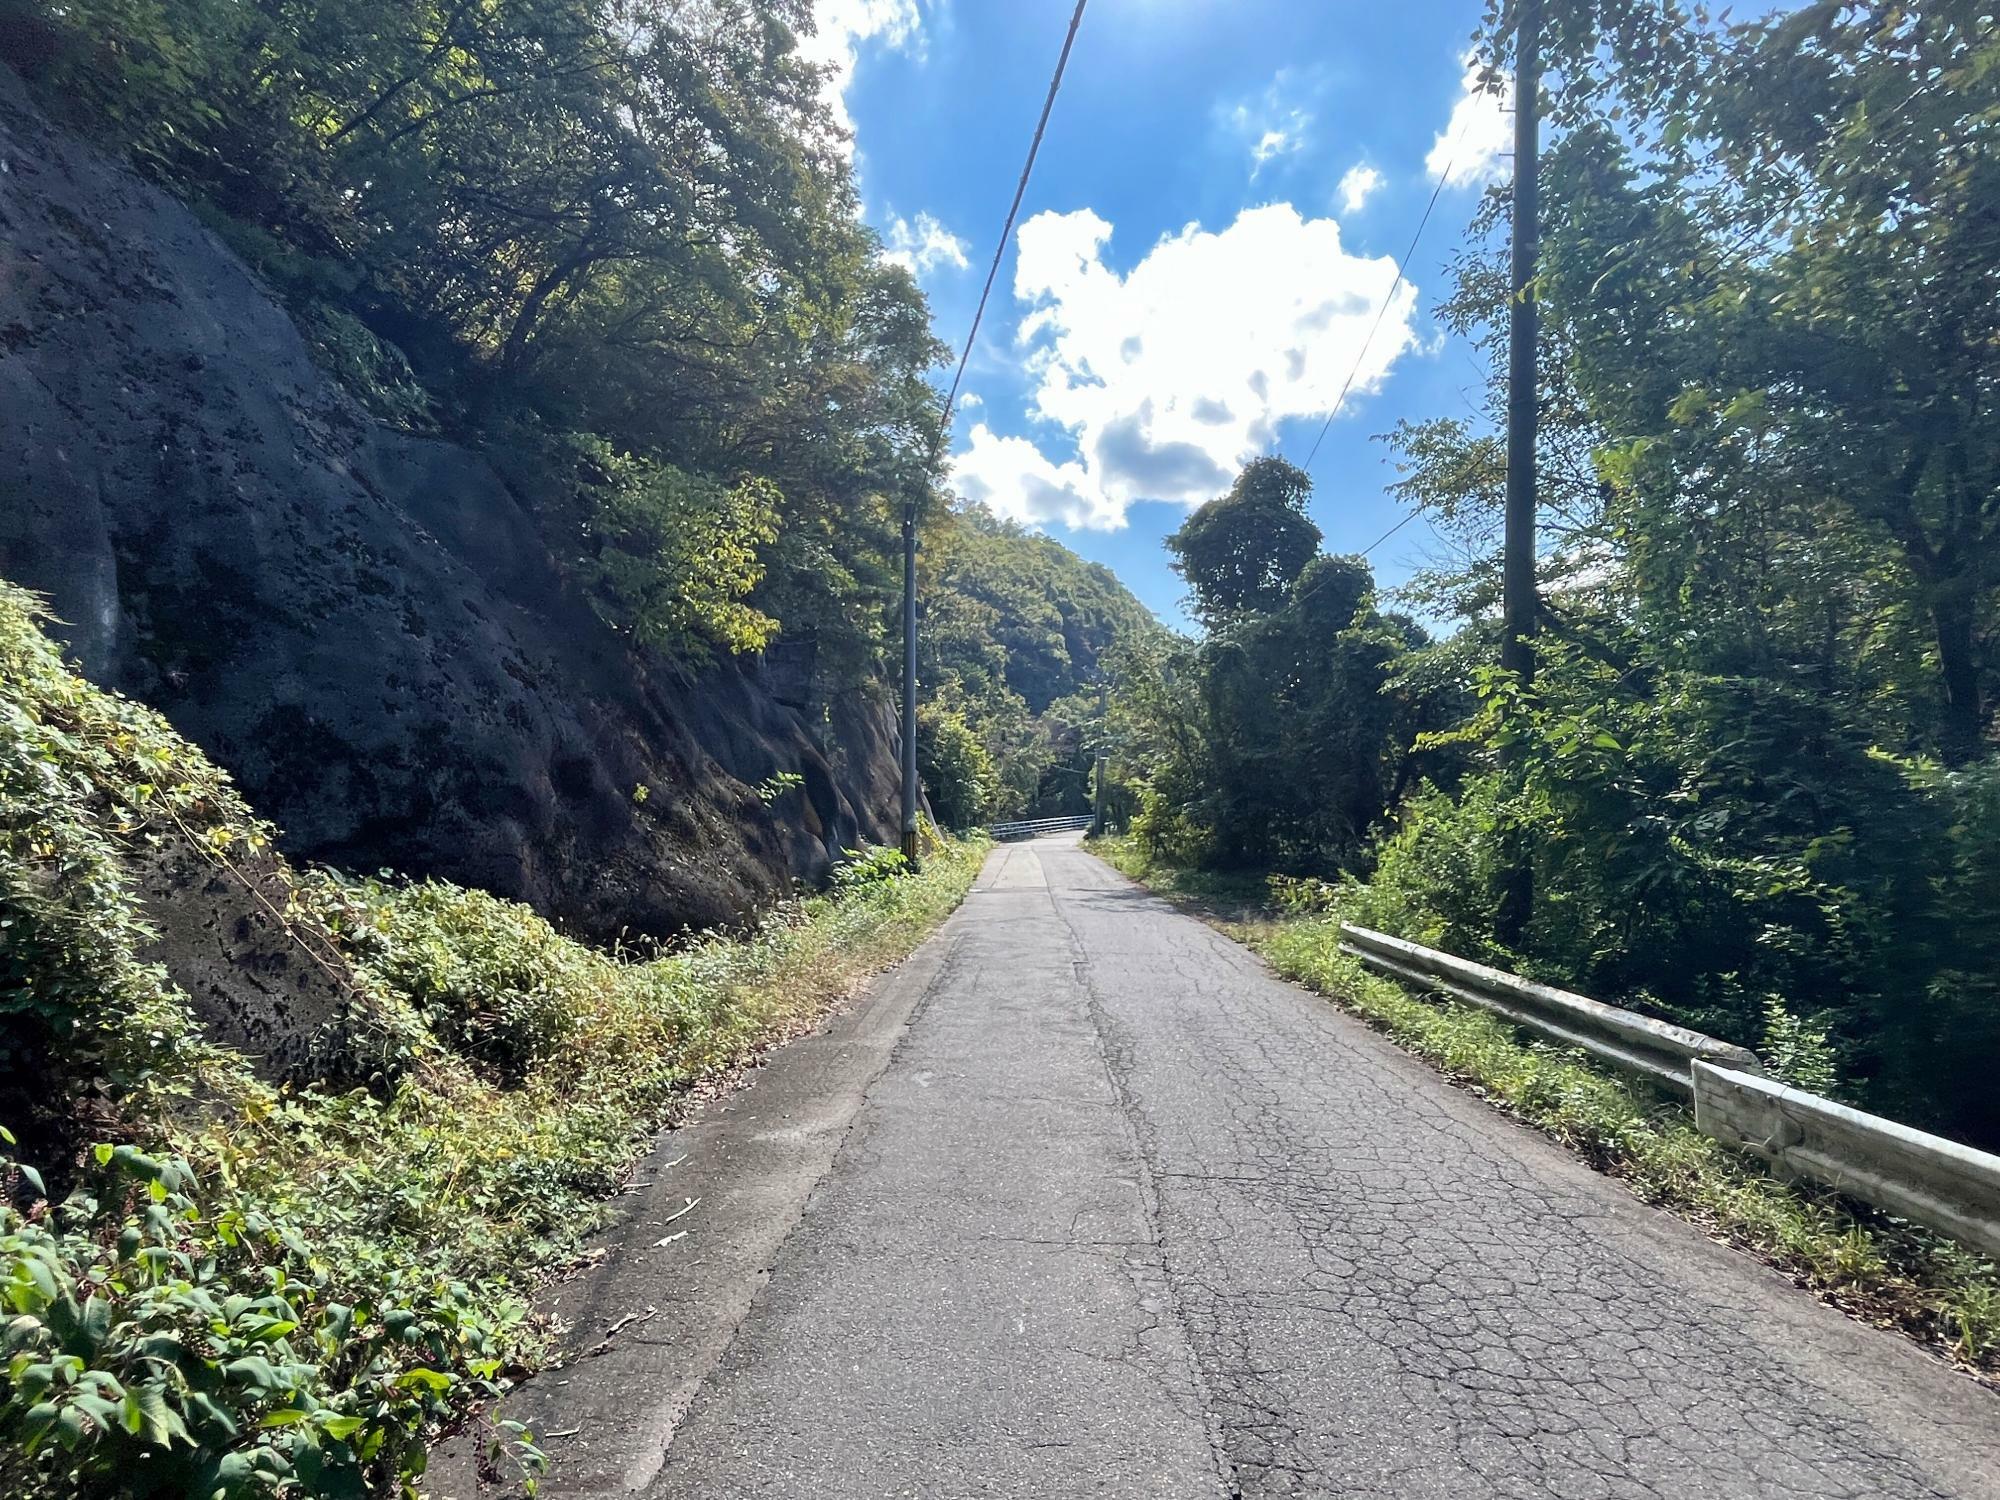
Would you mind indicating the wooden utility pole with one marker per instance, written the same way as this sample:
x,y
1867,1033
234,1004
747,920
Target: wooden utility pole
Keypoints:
x,y
910,680
1517,651
1517,561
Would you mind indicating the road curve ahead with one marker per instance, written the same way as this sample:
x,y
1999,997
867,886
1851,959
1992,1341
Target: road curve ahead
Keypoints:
x,y
1122,1215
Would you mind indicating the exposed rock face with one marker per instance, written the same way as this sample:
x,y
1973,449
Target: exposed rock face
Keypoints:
x,y
364,627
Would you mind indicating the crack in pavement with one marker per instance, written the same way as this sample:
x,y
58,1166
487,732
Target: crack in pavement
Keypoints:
x,y
1122,1215
1398,1292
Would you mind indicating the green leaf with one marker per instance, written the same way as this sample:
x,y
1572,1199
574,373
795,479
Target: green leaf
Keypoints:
x,y
434,1381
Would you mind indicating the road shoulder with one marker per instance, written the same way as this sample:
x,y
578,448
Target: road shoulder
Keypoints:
x,y
681,1265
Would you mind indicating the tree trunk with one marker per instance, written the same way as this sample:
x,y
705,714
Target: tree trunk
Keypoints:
x,y
1960,734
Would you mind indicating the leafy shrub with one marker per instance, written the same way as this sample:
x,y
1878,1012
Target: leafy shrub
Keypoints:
x,y
1713,844
264,1291
87,780
871,865
165,1344
1799,1050
492,979
374,372
671,556
957,771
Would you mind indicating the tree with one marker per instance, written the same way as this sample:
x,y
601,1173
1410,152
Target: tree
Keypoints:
x,y
1241,552
1791,323
956,771
1015,631
582,224
1769,287
1280,740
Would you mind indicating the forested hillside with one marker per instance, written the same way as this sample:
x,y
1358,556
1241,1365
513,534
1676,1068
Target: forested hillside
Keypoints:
x,y
1014,640
631,250
1753,783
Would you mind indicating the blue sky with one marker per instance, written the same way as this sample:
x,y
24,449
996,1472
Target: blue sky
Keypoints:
x,y
1210,232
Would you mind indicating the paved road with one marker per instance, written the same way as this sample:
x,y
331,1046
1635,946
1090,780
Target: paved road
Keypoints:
x,y
1082,1202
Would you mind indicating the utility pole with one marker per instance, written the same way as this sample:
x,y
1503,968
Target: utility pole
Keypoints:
x,y
1102,758
1517,563
910,680
1517,651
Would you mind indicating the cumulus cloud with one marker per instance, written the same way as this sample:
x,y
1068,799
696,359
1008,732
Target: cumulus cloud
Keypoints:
x,y
1358,186
1014,478
1163,380
922,244
841,29
1480,132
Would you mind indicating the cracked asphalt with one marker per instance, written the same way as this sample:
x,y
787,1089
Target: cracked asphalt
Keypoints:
x,y
1105,1209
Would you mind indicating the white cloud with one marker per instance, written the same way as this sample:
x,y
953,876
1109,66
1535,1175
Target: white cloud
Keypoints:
x,y
1012,477
1168,377
842,26
969,399
1358,186
1480,132
1271,125
922,244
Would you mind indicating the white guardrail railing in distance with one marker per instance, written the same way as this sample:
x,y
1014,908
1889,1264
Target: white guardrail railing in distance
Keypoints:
x,y
1035,827
1927,1178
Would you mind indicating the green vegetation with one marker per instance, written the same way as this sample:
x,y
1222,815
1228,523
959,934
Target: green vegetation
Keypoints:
x,y
1754,780
1878,1268
1014,641
616,244
253,1288
1280,738
619,247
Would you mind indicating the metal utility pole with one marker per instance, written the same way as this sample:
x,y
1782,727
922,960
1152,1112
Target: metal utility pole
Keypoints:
x,y
1517,652
910,680
1517,563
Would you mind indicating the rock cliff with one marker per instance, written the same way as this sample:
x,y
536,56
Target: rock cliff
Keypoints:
x,y
362,625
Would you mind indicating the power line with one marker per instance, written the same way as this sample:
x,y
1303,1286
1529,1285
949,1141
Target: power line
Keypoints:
x,y
1393,531
1006,230
911,501
1729,260
1402,270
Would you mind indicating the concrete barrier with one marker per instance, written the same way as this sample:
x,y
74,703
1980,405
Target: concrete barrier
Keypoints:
x,y
1656,1050
1909,1172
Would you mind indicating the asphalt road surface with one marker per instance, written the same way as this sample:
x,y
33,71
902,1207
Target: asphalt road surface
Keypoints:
x,y
1082,1202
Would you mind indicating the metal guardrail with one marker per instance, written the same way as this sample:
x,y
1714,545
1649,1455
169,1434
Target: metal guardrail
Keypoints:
x,y
1921,1176
1924,1177
1035,827
1659,1051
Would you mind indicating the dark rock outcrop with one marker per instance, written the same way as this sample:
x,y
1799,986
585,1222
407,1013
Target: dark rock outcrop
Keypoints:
x,y
364,626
